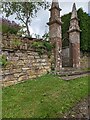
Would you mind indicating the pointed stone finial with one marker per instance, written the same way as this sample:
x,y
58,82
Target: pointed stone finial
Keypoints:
x,y
74,12
55,3
74,7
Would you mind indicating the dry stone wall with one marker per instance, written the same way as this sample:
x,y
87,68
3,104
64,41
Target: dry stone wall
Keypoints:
x,y
84,61
23,62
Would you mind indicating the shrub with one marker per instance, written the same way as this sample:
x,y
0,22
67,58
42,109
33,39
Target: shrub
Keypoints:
x,y
47,45
16,43
42,47
3,60
7,26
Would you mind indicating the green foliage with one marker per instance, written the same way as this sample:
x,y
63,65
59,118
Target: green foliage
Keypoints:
x,y
48,47
42,47
45,97
8,29
85,27
16,43
84,22
3,61
7,26
65,28
39,47
4,28
13,30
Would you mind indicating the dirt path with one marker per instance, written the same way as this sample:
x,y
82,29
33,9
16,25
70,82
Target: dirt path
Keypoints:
x,y
81,110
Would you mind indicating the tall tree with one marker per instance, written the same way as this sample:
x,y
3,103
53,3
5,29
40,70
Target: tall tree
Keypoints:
x,y
84,21
24,11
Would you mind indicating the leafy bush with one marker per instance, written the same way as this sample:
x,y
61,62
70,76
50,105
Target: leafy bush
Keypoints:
x,y
47,45
7,26
3,60
42,47
16,43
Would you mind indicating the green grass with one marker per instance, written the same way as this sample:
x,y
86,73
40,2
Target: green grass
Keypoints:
x,y
47,96
86,69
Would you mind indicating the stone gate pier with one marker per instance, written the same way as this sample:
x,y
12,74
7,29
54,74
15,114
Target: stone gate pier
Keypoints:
x,y
74,39
55,33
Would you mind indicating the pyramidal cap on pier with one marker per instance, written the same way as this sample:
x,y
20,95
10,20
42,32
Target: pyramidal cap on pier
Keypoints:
x,y
55,4
54,13
74,24
74,12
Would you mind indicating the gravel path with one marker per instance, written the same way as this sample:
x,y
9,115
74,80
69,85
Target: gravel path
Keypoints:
x,y
81,110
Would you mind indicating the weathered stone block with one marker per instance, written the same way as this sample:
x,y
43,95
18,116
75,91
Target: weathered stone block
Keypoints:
x,y
6,72
32,77
31,72
26,61
18,54
24,69
14,58
30,57
8,83
21,78
20,62
39,60
16,75
37,57
1,71
8,78
47,67
18,70
43,64
44,60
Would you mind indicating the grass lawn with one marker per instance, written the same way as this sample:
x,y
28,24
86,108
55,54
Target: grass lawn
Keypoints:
x,y
47,96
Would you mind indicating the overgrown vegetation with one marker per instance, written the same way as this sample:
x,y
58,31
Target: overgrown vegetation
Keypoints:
x,y
85,27
7,26
3,60
65,27
16,43
42,47
45,97
84,22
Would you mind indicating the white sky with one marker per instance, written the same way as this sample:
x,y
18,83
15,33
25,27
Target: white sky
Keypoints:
x,y
39,25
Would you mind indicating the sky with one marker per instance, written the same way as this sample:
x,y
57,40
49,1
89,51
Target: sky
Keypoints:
x,y
39,23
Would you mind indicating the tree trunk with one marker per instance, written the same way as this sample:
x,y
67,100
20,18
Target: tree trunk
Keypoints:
x,y
28,29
